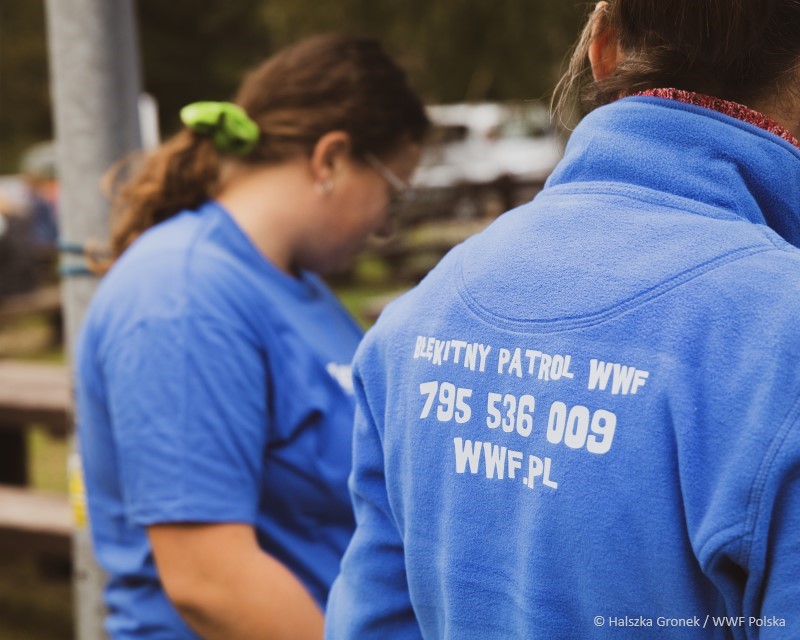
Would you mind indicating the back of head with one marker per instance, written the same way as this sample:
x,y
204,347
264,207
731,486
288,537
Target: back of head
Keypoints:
x,y
329,83
322,84
744,50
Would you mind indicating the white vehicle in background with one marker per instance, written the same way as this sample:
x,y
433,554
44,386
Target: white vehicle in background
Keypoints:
x,y
483,142
480,160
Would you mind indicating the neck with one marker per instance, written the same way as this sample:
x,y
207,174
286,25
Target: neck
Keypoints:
x,y
786,118
268,204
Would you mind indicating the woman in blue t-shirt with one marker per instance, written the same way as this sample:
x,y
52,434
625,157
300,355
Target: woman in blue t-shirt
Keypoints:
x,y
214,389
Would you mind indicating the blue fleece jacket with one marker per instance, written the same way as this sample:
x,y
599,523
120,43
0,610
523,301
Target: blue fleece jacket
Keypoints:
x,y
585,422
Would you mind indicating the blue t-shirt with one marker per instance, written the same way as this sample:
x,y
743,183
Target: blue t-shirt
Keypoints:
x,y
585,422
212,387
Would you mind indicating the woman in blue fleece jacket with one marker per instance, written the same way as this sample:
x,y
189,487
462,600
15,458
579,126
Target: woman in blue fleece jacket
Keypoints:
x,y
585,422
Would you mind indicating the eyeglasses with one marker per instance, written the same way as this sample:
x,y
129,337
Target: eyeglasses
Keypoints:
x,y
401,190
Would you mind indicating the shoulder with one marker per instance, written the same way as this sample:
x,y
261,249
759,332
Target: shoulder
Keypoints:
x,y
438,294
761,291
177,270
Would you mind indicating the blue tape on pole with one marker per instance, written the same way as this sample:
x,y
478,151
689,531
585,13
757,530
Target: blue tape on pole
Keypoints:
x,y
72,248
72,271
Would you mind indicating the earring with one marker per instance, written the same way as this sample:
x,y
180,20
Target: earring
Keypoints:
x,y
323,188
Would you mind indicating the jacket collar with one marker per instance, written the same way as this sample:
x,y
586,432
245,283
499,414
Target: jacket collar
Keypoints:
x,y
690,151
732,109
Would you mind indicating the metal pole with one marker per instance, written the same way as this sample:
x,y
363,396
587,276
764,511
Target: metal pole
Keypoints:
x,y
95,73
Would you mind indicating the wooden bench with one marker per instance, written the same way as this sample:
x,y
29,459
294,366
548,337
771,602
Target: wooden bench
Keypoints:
x,y
35,393
34,521
31,394
412,254
44,300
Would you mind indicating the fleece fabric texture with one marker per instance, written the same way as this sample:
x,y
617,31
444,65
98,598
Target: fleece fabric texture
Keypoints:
x,y
212,387
586,420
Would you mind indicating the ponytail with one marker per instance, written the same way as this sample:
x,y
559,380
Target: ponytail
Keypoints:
x,y
322,84
180,174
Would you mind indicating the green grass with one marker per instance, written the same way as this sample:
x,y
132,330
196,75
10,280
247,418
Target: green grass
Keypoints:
x,y
29,338
48,461
363,301
33,605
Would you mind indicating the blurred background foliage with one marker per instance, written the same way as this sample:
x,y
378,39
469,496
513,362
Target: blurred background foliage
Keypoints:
x,y
24,90
454,50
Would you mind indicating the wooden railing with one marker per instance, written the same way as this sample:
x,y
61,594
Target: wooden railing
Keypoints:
x,y
31,394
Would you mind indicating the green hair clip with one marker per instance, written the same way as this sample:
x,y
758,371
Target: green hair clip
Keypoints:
x,y
228,125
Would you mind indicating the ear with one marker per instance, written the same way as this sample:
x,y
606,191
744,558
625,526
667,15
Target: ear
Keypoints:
x,y
604,50
329,152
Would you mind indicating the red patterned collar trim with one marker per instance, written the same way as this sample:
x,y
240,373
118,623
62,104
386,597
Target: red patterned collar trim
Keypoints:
x,y
732,109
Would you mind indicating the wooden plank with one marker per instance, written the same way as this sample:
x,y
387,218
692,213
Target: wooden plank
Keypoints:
x,y
35,393
46,299
33,521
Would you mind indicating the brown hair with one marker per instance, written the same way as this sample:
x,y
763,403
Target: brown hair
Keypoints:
x,y
321,84
742,50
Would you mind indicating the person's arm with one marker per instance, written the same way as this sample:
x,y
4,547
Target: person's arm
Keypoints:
x,y
370,598
781,588
188,404
227,588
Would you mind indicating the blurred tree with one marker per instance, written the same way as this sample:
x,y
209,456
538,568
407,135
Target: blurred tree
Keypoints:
x,y
24,92
454,50
198,51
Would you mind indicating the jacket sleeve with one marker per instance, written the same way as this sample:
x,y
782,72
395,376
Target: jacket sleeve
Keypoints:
x,y
781,585
370,598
